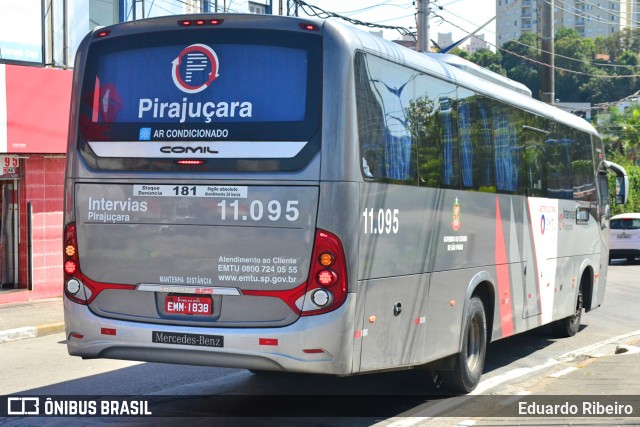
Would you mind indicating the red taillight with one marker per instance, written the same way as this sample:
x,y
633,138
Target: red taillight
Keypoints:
x,y
309,27
326,288
326,277
190,162
199,22
329,269
78,287
70,267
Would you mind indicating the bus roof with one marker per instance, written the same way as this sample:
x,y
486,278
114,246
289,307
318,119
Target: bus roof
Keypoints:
x,y
443,67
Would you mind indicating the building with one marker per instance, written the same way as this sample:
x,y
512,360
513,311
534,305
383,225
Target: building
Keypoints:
x,y
38,40
476,43
590,18
445,40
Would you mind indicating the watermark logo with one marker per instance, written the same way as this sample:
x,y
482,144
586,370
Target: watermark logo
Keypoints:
x,y
195,68
23,406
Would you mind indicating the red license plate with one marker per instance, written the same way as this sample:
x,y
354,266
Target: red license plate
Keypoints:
x,y
181,304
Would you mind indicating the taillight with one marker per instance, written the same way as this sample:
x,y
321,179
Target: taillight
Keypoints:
x,y
103,33
72,284
309,27
78,287
199,22
327,286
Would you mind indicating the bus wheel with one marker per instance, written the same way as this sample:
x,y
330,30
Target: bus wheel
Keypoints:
x,y
469,363
569,326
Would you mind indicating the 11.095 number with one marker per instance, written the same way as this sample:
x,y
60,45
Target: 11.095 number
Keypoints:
x,y
257,211
381,221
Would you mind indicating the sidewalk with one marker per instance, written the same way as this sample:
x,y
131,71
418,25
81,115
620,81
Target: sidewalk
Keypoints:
x,y
30,319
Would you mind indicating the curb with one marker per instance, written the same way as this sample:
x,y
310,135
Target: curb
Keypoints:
x,y
30,332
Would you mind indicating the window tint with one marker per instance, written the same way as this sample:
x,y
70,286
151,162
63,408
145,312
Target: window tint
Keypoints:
x,y
419,130
625,224
433,118
384,92
507,122
150,99
476,141
583,169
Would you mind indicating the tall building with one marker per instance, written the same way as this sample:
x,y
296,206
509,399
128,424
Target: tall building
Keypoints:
x,y
591,18
476,43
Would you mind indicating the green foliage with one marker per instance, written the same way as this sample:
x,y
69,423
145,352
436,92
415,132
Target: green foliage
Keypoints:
x,y
579,75
633,204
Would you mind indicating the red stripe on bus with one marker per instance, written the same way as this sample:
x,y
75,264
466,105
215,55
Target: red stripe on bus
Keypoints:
x,y
502,273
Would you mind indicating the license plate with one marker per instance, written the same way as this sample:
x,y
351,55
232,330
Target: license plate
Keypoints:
x,y
624,236
182,304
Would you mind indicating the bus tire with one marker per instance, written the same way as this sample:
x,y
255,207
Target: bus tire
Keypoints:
x,y
570,325
469,363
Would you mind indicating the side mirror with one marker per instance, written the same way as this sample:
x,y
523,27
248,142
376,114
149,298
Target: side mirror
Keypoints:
x,y
622,182
622,193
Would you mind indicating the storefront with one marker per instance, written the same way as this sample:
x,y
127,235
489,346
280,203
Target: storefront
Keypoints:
x,y
34,111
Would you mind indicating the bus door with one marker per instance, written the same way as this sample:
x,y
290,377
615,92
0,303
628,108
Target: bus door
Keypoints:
x,y
536,185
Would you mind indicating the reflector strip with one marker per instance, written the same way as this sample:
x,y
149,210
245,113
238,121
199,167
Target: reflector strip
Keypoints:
x,y
152,287
502,273
361,334
313,350
108,331
268,341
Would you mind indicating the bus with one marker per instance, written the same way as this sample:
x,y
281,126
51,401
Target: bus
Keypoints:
x,y
284,194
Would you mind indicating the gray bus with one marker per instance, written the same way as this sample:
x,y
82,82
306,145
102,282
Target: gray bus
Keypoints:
x,y
281,194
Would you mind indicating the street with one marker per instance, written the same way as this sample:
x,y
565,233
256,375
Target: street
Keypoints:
x,y
42,367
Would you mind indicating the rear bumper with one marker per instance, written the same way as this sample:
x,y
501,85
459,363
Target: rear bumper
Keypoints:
x,y
314,344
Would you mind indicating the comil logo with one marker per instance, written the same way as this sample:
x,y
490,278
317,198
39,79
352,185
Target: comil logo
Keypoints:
x,y
195,68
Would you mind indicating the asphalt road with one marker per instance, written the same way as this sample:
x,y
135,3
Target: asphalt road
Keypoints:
x,y
41,366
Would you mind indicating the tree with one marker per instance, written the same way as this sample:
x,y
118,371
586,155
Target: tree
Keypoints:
x,y
516,61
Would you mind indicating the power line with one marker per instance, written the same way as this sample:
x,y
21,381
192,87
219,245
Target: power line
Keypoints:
x,y
598,76
540,50
323,14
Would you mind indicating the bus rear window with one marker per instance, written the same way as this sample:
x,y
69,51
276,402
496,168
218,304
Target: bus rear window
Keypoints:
x,y
213,95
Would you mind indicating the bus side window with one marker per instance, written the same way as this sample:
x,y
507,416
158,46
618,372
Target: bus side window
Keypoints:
x,y
434,127
476,141
383,90
583,169
507,125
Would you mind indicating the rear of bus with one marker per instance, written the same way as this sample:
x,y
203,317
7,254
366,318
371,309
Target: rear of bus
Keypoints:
x,y
192,193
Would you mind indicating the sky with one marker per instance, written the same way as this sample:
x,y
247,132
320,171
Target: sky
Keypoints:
x,y
467,14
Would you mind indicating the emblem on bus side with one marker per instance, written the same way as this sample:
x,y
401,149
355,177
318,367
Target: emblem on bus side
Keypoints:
x,y
455,216
195,68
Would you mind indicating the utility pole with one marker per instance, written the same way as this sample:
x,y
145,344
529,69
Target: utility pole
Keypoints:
x,y
547,86
423,26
